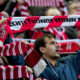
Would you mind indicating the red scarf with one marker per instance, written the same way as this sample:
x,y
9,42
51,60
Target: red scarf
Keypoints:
x,y
68,47
12,49
15,72
36,34
43,3
60,35
31,57
19,24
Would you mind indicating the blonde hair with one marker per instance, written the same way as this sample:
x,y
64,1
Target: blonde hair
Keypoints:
x,y
51,8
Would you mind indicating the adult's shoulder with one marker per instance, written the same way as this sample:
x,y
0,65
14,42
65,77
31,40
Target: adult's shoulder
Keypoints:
x,y
67,58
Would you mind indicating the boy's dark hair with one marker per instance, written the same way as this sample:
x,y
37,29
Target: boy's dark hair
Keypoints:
x,y
40,42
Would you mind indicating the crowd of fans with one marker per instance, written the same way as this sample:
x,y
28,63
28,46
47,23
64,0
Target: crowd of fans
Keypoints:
x,y
46,44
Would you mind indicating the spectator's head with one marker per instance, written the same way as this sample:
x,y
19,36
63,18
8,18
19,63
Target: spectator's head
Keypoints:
x,y
52,12
2,2
46,46
74,7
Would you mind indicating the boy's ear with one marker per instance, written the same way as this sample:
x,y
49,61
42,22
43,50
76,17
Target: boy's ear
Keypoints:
x,y
42,49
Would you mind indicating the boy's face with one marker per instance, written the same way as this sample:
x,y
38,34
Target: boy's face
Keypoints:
x,y
51,48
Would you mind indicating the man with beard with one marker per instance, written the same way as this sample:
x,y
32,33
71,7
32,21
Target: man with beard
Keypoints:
x,y
66,68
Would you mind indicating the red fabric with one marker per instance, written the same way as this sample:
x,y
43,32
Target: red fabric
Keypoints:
x,y
68,48
63,7
31,45
15,72
4,31
78,37
12,49
20,24
24,9
56,22
31,57
30,23
36,34
43,3
64,36
17,26
60,35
